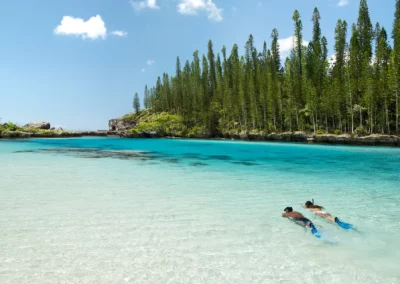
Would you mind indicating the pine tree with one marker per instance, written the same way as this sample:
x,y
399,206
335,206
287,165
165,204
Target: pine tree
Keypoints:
x,y
395,70
146,98
339,71
254,92
136,103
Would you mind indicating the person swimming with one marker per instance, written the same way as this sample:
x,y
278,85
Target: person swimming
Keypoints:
x,y
318,210
299,219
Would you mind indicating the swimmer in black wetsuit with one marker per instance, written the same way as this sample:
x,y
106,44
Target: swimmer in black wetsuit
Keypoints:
x,y
299,219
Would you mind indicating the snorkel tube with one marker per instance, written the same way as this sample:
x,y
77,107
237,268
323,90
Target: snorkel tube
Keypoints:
x,y
343,225
314,231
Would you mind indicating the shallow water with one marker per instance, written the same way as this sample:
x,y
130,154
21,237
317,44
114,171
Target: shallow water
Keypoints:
x,y
110,210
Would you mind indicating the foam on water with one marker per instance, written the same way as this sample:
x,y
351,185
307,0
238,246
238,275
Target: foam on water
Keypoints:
x,y
108,210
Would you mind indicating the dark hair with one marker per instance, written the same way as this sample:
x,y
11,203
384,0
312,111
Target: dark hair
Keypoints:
x,y
288,209
309,204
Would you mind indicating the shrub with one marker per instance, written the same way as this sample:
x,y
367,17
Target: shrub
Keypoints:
x,y
163,124
197,131
338,132
361,131
320,132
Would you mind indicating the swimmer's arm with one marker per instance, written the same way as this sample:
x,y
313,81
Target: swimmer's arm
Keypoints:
x,y
285,215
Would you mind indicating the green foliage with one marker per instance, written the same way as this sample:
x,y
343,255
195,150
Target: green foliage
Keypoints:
x,y
198,131
218,94
338,132
9,126
136,103
361,131
320,132
162,124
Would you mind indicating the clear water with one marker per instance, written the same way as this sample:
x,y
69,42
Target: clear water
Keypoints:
x,y
109,210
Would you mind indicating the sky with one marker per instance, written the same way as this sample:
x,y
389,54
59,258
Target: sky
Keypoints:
x,y
78,63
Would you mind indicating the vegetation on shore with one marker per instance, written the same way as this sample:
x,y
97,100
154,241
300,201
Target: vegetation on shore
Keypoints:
x,y
11,130
355,92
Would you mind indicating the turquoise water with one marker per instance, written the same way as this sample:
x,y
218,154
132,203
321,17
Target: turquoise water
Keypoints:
x,y
110,210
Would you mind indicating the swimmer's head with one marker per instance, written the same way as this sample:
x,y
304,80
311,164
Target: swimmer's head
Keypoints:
x,y
288,209
309,204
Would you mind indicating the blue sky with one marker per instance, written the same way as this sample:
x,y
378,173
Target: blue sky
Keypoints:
x,y
78,63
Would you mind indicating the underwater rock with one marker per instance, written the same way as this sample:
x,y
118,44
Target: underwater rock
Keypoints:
x,y
198,164
245,163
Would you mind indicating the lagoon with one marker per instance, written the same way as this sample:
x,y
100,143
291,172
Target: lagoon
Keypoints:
x,y
111,210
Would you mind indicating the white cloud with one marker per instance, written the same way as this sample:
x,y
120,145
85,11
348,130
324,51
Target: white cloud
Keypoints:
x,y
92,28
150,62
119,33
192,7
343,3
151,4
287,44
143,70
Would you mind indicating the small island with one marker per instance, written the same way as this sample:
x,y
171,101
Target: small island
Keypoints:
x,y
41,130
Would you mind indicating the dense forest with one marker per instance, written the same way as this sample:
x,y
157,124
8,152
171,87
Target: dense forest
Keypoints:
x,y
355,91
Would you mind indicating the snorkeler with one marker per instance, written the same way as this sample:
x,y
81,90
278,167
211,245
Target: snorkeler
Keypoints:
x,y
299,219
318,210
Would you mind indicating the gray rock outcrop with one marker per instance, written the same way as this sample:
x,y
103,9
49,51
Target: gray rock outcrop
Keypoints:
x,y
117,125
38,125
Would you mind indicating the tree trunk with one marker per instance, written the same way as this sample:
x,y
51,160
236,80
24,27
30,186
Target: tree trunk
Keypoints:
x,y
352,114
265,116
397,114
313,121
326,122
387,118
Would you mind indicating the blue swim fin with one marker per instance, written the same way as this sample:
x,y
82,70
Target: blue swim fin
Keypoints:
x,y
315,232
344,225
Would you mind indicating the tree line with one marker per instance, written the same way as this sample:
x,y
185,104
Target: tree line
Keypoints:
x,y
355,91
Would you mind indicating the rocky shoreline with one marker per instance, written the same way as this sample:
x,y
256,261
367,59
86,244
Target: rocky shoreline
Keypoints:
x,y
295,137
61,134
122,129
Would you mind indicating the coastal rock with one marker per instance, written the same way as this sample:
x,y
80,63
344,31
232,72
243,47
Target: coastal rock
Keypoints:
x,y
120,125
372,140
334,139
285,136
89,133
244,135
379,140
256,136
300,136
152,134
126,134
38,125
